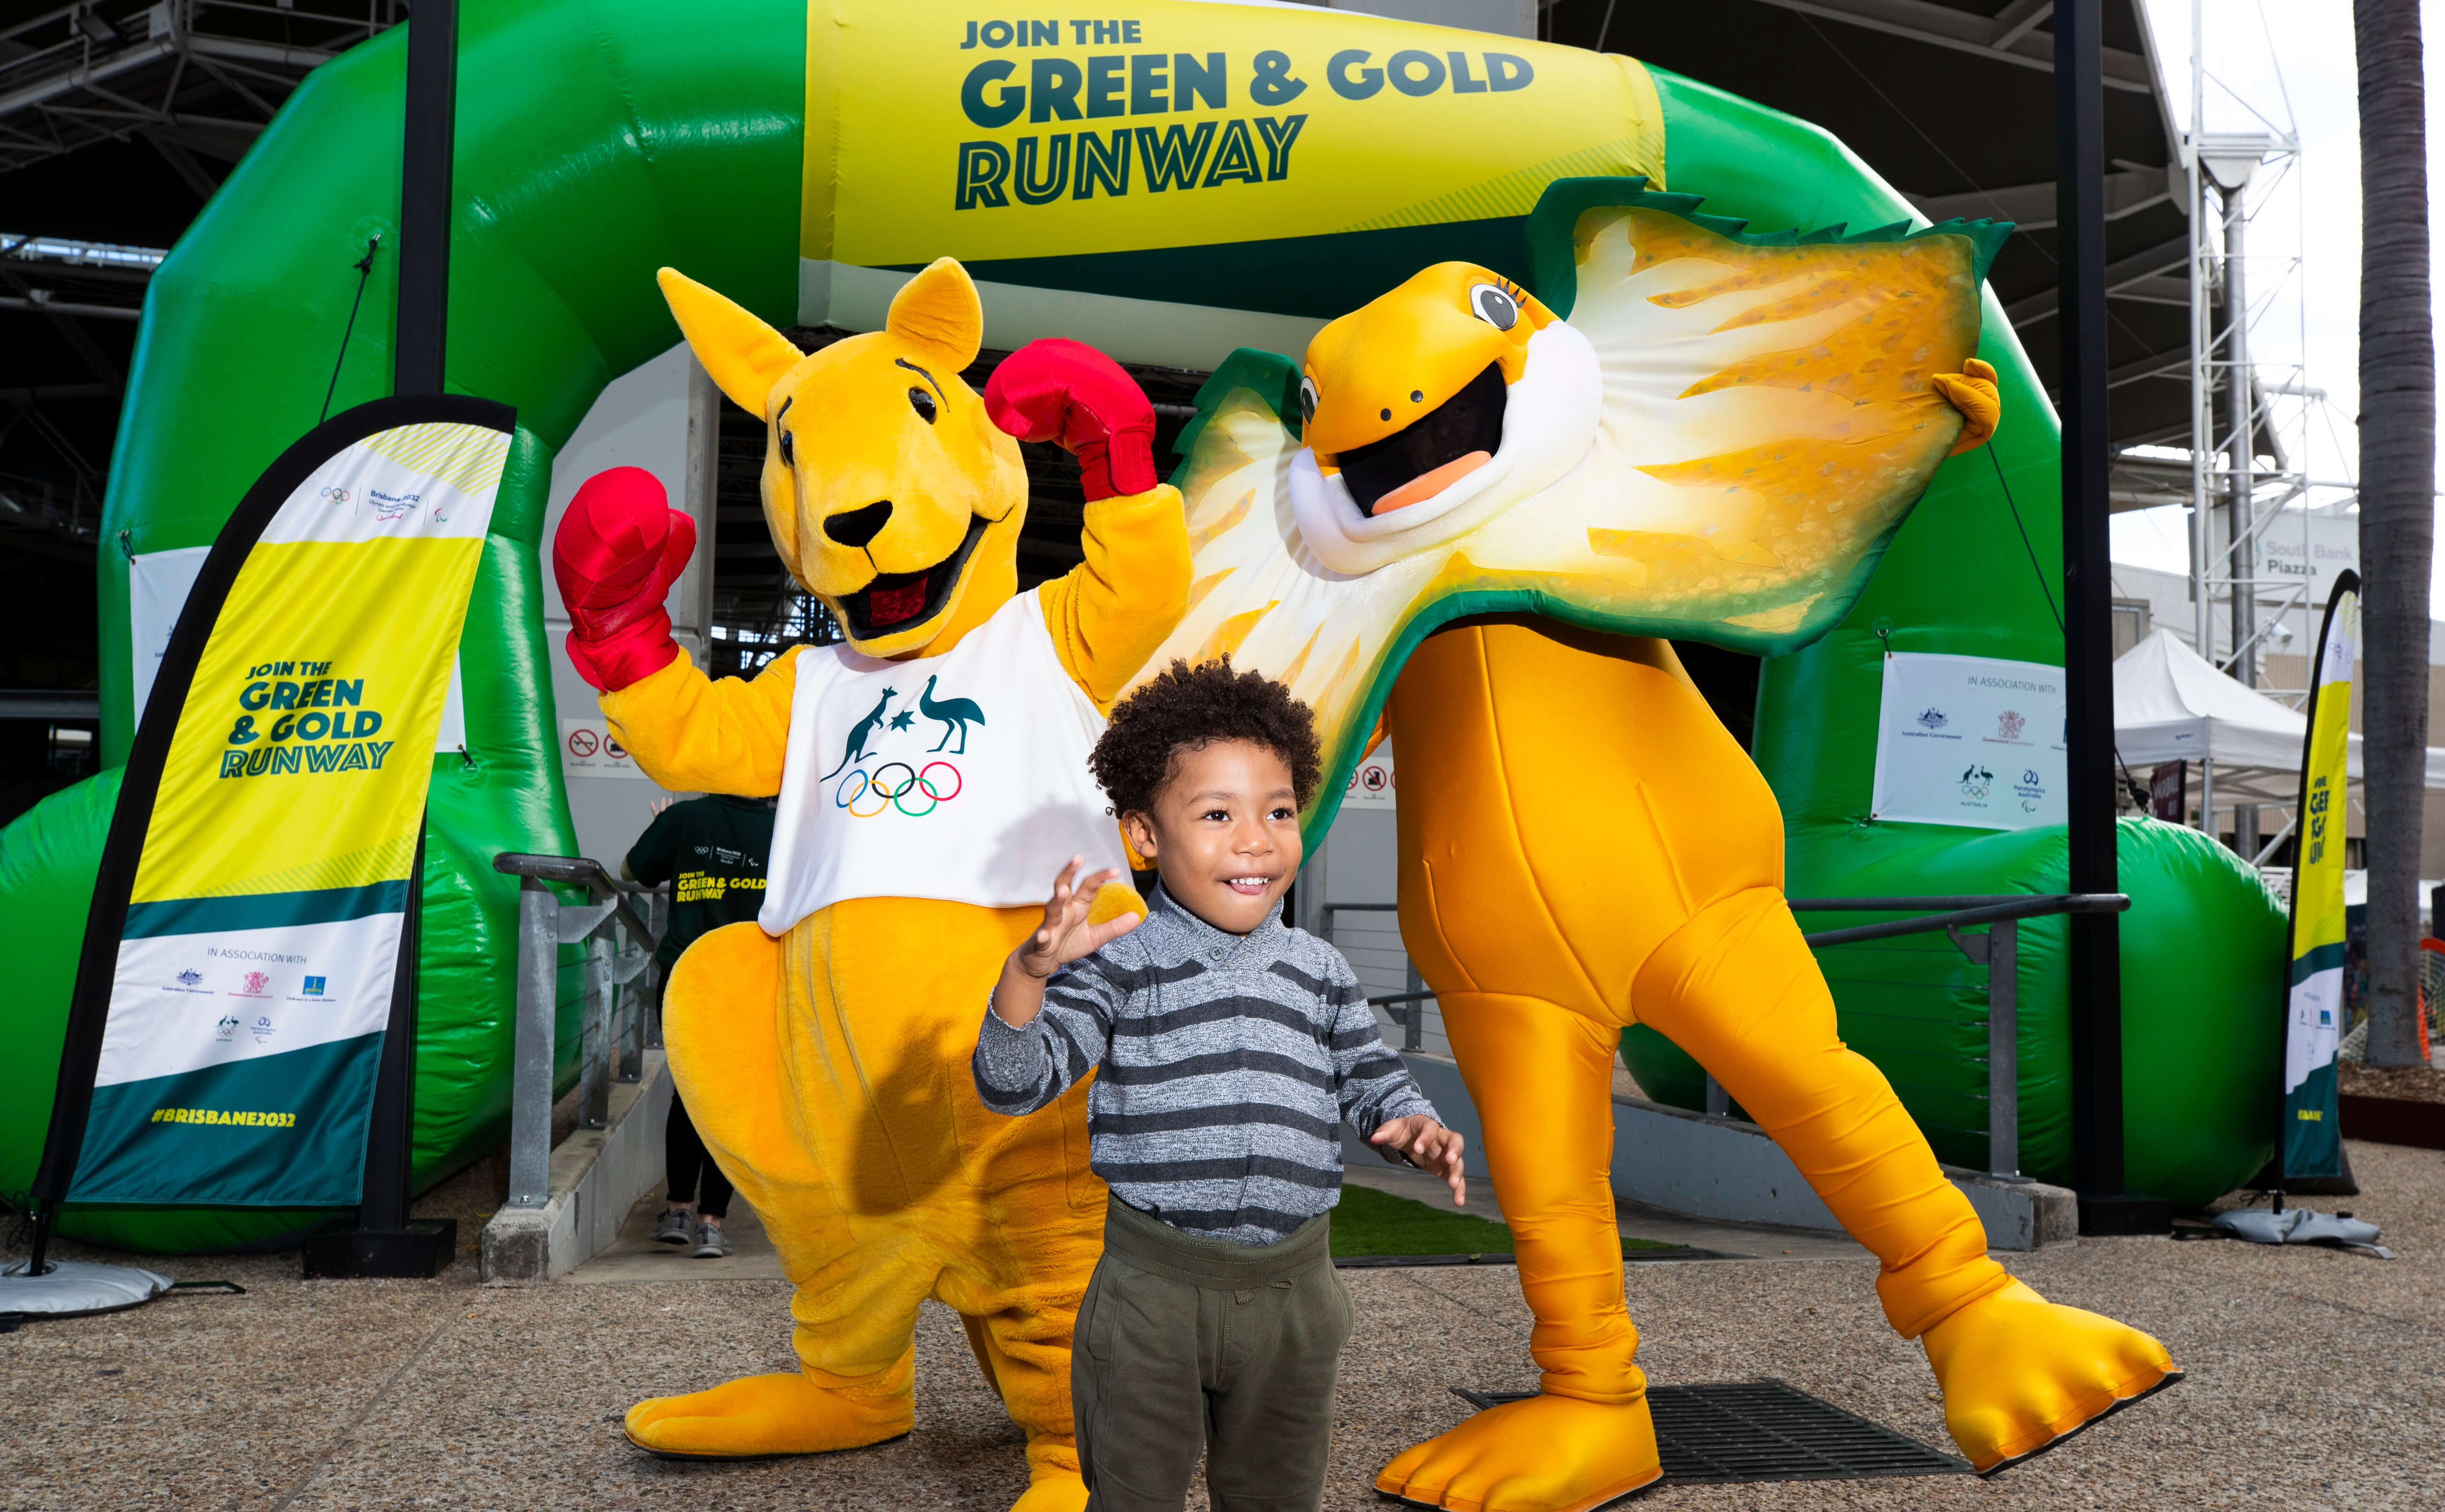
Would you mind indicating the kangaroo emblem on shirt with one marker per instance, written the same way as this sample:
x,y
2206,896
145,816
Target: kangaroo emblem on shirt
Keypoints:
x,y
954,714
859,732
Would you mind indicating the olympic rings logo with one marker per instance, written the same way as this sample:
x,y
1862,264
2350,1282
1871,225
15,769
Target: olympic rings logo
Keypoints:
x,y
866,794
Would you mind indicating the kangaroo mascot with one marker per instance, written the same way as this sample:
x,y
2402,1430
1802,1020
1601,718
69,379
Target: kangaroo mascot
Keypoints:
x,y
931,771
1465,519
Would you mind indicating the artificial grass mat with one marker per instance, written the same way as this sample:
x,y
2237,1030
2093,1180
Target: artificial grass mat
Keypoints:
x,y
1372,1223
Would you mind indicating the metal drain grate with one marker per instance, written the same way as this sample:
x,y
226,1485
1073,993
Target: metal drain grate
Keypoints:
x,y
1732,1431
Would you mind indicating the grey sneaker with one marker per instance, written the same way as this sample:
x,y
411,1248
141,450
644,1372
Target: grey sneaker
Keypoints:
x,y
711,1243
672,1227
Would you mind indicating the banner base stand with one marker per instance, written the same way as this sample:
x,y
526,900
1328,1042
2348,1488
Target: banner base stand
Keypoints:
x,y
422,1250
75,1289
2124,1214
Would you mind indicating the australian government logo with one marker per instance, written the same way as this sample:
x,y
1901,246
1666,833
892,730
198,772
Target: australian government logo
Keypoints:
x,y
1931,723
189,979
880,773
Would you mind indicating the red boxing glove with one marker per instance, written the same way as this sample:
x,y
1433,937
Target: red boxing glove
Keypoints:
x,y
1066,391
619,549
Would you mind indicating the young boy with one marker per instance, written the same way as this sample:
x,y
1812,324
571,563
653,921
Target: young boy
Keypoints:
x,y
1228,1049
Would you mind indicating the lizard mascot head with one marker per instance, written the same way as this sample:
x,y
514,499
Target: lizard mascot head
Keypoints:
x,y
890,493
1434,408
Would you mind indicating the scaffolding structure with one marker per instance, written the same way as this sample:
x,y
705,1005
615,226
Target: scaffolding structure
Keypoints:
x,y
2251,421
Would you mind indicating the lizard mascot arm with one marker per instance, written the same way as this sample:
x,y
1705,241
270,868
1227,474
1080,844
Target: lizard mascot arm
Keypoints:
x,y
823,1052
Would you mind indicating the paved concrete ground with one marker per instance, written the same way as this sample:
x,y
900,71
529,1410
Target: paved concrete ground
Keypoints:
x,y
2318,1381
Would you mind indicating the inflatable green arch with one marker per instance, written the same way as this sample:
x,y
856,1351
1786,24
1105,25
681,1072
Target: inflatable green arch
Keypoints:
x,y
794,157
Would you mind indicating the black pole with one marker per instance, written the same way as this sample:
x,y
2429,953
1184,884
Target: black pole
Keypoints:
x,y
385,1242
390,1128
425,197
2088,635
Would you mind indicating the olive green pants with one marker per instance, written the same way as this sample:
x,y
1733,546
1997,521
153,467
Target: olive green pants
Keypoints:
x,y
1185,1344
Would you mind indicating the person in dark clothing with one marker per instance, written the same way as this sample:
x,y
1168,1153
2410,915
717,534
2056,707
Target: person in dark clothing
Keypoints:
x,y
712,851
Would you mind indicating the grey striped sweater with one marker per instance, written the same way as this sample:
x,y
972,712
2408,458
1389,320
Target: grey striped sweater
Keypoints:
x,y
1224,1065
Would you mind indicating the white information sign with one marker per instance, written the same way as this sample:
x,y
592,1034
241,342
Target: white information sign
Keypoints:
x,y
157,583
588,750
1970,740
1371,786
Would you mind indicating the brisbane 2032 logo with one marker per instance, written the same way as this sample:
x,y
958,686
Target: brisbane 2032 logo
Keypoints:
x,y
872,781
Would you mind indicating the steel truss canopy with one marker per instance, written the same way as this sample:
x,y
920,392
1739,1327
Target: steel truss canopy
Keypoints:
x,y
198,80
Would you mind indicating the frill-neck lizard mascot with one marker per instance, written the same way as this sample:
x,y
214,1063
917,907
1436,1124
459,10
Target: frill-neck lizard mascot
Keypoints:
x,y
1697,433
930,771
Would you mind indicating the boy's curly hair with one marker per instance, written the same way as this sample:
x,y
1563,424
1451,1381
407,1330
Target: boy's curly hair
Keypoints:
x,y
1187,707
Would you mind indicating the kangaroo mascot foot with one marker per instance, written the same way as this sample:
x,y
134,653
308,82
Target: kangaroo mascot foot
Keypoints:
x,y
764,1416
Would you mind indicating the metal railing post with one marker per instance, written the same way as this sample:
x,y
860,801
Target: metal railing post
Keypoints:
x,y
658,918
531,1059
597,1042
2004,1048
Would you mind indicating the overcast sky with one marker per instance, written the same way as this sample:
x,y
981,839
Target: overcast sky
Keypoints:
x,y
2289,65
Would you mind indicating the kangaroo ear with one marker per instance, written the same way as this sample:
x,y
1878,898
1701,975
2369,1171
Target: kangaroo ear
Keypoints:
x,y
939,306
745,356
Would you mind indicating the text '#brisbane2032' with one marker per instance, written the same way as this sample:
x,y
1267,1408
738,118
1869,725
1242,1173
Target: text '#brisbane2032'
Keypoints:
x,y
1052,73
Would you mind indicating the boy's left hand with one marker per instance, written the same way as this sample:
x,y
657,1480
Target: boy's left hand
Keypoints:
x,y
1421,1141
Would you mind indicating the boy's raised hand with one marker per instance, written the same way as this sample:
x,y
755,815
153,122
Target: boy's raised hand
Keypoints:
x,y
1427,1144
1066,934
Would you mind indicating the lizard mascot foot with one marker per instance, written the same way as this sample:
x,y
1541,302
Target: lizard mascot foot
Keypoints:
x,y
924,770
1466,521
2021,1374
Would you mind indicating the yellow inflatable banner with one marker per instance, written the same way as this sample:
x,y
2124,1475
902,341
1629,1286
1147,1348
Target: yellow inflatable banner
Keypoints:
x,y
2312,1138
1154,184
245,943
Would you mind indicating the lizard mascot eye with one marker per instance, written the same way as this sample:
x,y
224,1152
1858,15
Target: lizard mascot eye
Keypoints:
x,y
1494,307
1307,399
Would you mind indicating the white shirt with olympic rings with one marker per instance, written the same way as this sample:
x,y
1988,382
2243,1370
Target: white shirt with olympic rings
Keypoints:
x,y
960,777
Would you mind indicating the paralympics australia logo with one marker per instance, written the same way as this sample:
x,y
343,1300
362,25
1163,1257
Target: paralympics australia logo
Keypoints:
x,y
879,772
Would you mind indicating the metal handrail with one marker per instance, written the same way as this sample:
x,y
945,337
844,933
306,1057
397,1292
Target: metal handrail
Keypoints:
x,y
618,1026
1956,911
1412,1019
581,871
1998,950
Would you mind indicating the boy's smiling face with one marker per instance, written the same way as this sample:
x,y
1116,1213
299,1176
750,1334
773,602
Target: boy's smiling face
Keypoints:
x,y
1222,832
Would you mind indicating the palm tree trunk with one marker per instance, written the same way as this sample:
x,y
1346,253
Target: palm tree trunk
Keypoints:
x,y
2398,503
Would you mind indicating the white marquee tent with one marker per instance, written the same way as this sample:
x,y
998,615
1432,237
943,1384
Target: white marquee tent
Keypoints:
x,y
2171,705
